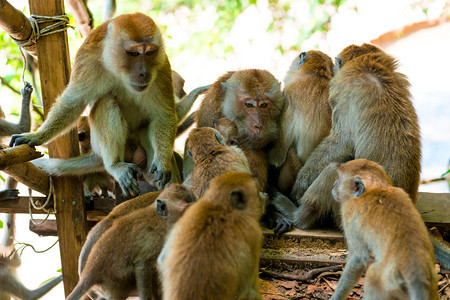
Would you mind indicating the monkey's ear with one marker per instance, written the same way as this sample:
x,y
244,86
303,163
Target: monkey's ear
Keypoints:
x,y
237,199
302,57
338,62
359,187
161,208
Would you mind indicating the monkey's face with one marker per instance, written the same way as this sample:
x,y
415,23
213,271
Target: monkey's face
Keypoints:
x,y
173,201
228,130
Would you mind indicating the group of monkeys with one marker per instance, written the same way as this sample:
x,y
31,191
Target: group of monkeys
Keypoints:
x,y
327,148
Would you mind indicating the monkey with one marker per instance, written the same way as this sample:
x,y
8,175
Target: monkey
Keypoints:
x,y
257,160
122,72
143,231
306,118
212,251
251,99
381,220
372,118
212,157
10,286
8,128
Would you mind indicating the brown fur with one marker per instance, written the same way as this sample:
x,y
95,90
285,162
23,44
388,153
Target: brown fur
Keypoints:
x,y
251,99
381,220
213,250
373,118
212,157
257,160
119,270
122,72
306,119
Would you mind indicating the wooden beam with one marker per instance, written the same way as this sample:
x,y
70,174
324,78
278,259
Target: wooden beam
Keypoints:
x,y
17,25
54,66
17,155
31,176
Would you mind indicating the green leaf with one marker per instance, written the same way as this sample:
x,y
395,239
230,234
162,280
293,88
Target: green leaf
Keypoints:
x,y
2,178
448,171
1,224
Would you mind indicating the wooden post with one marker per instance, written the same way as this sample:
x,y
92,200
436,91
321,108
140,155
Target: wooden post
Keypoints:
x,y
54,67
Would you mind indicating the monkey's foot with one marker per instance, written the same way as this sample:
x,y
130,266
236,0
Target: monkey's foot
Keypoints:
x,y
26,91
283,225
160,174
126,174
9,194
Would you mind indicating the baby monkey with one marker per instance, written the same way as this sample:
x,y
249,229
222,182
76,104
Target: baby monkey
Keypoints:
x,y
212,252
119,270
381,220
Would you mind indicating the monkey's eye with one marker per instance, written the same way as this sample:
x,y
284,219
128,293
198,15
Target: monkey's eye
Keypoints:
x,y
81,136
263,105
133,53
150,52
250,103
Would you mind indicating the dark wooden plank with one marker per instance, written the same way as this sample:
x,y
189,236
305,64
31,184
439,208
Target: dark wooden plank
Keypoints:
x,y
434,207
48,228
54,67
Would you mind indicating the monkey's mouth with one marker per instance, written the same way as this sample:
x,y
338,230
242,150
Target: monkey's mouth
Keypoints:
x,y
139,87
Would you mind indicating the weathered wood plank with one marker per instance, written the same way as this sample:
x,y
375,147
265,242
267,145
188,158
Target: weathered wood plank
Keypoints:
x,y
54,67
31,176
434,207
16,155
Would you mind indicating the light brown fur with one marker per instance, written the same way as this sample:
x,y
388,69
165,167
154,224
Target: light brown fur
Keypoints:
x,y
213,250
212,157
372,118
306,118
119,270
251,99
122,72
381,220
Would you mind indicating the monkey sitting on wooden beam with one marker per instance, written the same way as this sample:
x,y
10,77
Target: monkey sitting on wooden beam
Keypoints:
x,y
381,220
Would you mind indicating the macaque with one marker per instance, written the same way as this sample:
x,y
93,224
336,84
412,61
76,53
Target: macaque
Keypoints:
x,y
372,118
10,286
212,157
306,118
257,160
251,99
213,250
119,270
122,72
381,220
8,128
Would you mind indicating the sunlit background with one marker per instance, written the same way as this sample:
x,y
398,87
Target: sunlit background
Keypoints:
x,y
204,39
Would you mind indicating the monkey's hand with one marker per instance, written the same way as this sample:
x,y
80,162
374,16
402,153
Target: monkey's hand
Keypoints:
x,y
282,224
9,194
299,188
125,174
26,91
160,174
32,139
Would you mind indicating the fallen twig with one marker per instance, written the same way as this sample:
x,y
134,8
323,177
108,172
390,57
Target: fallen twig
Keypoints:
x,y
306,277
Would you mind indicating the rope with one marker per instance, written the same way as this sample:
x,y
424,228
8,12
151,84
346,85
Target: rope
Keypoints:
x,y
62,23
51,194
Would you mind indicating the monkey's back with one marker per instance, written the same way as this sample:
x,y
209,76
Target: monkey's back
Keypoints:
x,y
215,253
394,233
373,101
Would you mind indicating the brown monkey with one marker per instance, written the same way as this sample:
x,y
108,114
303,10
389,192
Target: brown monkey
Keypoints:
x,y
8,128
372,118
143,231
10,286
212,157
381,220
212,252
251,99
257,160
123,73
306,118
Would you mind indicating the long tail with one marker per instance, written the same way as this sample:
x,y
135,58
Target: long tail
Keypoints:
x,y
80,165
441,252
39,292
185,104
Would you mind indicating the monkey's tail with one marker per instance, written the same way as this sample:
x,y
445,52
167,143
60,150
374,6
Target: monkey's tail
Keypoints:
x,y
441,252
80,165
39,292
186,124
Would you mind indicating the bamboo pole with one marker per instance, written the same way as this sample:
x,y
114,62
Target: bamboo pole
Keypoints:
x,y
54,66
